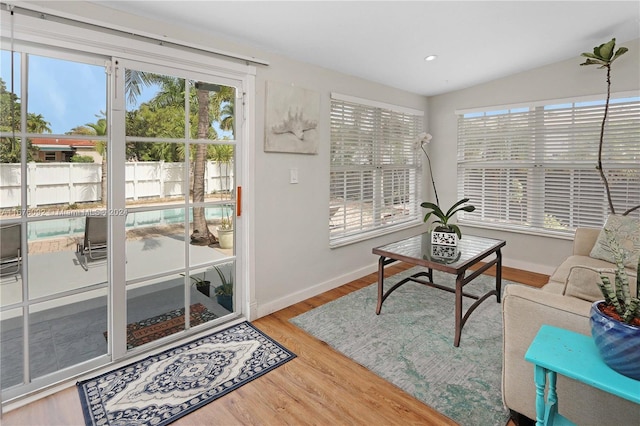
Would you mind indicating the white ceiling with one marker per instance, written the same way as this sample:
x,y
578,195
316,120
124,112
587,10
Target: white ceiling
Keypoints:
x,y
387,41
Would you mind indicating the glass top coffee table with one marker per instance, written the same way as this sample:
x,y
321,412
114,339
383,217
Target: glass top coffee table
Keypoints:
x,y
419,251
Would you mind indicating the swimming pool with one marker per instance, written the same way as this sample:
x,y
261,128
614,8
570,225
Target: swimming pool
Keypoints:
x,y
74,226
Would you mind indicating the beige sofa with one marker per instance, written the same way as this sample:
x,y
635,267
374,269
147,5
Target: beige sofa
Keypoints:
x,y
563,302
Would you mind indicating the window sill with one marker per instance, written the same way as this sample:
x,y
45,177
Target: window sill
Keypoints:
x,y
345,241
500,227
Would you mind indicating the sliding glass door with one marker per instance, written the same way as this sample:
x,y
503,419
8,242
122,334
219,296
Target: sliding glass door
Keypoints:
x,y
53,308
118,226
179,192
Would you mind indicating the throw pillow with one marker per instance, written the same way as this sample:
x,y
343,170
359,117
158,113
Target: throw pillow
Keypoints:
x,y
627,233
582,282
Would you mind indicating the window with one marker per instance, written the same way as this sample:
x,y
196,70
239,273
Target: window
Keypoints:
x,y
534,167
375,170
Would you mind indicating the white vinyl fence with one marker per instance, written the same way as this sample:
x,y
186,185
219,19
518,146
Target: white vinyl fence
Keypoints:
x,y
70,183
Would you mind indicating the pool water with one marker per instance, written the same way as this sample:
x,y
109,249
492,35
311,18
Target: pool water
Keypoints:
x,y
74,226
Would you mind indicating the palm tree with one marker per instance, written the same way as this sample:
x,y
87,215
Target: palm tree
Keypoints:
x,y
10,148
172,93
209,108
227,113
81,130
201,233
37,124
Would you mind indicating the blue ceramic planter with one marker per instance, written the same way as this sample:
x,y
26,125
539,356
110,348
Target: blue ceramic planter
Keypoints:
x,y
617,342
225,301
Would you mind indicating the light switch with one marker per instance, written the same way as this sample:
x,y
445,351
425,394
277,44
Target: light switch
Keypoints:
x,y
293,175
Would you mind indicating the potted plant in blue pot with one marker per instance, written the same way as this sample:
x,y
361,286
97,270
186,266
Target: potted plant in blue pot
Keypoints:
x,y
615,321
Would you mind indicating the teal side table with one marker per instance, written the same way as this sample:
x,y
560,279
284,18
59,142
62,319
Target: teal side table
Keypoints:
x,y
555,350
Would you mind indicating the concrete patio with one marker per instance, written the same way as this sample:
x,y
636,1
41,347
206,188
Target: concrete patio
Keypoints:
x,y
70,329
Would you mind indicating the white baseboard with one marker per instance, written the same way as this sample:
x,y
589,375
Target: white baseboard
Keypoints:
x,y
528,266
284,302
307,293
252,314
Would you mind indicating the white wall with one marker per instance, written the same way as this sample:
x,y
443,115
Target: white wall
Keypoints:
x,y
290,242
293,258
556,81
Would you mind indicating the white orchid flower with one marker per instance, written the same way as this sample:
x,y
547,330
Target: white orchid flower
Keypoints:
x,y
423,138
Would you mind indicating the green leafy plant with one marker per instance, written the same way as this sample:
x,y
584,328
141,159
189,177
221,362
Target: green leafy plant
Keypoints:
x,y
197,281
604,55
226,288
443,218
617,294
226,224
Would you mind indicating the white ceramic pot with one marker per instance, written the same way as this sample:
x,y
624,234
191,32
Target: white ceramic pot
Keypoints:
x,y
445,238
225,236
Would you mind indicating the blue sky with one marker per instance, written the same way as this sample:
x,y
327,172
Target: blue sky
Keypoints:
x,y
67,94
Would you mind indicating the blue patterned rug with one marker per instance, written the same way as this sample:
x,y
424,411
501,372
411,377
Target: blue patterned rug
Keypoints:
x,y
410,344
164,387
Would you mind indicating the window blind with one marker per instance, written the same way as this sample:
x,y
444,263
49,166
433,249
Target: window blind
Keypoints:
x,y
535,167
375,169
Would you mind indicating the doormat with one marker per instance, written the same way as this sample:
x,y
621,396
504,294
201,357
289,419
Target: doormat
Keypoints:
x,y
150,329
162,388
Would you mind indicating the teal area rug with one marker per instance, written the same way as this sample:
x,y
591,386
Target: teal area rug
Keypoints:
x,y
162,388
410,344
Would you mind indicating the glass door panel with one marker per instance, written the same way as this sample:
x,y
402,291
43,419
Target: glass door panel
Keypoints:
x,y
11,341
155,243
66,98
47,282
66,331
56,249
179,185
155,309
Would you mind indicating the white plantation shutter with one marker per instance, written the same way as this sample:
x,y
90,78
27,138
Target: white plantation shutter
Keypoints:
x,y
375,169
534,167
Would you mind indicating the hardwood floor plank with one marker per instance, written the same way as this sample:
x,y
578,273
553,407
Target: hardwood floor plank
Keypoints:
x,y
319,387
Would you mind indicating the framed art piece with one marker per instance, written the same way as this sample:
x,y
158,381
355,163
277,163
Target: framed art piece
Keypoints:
x,y
291,121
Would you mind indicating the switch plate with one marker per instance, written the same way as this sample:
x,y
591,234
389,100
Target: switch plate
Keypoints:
x,y
293,175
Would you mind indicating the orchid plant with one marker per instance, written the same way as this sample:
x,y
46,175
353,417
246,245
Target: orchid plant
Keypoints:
x,y
435,209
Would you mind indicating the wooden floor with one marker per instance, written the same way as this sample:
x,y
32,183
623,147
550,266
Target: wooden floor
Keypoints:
x,y
319,387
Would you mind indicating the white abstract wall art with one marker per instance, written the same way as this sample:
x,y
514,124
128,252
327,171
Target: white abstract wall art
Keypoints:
x,y
292,116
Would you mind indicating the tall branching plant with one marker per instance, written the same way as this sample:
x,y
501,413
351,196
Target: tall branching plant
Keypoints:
x,y
604,55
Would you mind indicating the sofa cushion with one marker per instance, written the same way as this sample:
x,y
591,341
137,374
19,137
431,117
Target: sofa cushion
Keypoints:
x,y
562,272
583,284
627,232
578,281
554,287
